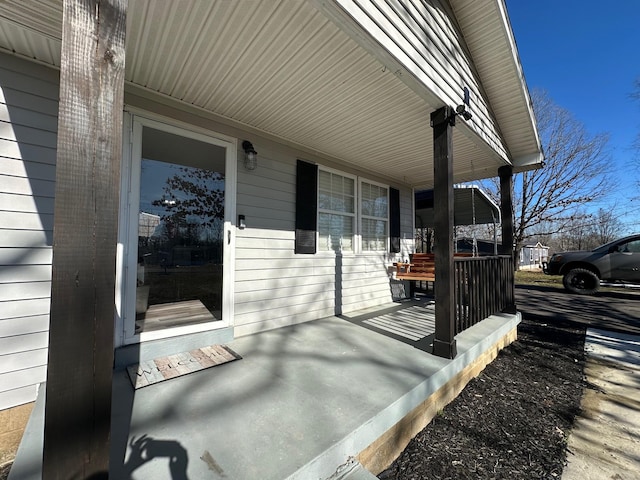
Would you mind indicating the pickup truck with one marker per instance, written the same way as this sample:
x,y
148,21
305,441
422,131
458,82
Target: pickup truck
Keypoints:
x,y
613,262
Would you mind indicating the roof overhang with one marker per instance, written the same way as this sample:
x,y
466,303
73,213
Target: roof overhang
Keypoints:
x,y
289,71
487,30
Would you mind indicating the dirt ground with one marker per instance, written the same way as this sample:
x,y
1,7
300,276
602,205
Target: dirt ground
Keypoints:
x,y
513,420
510,422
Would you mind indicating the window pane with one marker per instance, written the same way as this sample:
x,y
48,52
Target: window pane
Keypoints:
x,y
335,231
325,181
365,200
324,200
374,206
633,246
374,234
348,186
336,193
342,203
374,200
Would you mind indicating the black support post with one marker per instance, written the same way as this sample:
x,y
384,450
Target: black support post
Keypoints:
x,y
506,210
442,121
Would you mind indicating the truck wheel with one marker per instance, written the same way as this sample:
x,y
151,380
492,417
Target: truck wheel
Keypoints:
x,y
581,281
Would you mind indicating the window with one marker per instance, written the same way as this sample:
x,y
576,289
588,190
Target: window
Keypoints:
x,y
632,246
374,217
336,211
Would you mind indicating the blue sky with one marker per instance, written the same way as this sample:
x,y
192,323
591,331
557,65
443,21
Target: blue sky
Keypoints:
x,y
586,55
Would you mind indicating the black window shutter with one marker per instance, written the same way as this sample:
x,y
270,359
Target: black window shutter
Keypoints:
x,y
306,207
394,220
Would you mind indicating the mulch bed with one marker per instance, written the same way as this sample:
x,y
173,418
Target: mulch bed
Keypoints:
x,y
4,471
510,422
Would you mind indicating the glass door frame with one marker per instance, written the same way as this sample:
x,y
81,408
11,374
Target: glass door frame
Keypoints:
x,y
127,261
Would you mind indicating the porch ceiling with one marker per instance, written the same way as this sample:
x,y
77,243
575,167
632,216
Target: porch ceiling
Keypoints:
x,y
280,68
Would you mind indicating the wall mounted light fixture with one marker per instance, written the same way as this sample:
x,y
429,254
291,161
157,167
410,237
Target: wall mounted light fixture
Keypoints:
x,y
250,156
462,110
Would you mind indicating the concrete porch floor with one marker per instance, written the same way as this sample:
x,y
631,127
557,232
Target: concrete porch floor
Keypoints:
x,y
301,402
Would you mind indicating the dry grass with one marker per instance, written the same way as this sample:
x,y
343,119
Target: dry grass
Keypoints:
x,y
536,277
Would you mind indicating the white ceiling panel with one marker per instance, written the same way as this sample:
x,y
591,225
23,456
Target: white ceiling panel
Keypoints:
x,y
279,67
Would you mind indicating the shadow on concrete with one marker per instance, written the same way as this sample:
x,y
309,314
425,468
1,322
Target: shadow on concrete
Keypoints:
x,y
409,321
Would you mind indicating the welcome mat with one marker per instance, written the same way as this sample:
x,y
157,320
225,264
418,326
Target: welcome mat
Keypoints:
x,y
171,366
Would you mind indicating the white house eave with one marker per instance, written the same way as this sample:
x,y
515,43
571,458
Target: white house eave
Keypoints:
x,y
527,104
487,29
528,162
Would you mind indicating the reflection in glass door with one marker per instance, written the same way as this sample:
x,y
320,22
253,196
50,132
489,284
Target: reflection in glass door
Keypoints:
x,y
180,232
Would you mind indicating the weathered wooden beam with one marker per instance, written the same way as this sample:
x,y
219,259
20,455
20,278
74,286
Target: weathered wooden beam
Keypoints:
x,y
506,211
442,120
81,336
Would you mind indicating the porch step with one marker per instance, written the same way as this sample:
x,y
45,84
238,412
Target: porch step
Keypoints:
x,y
141,352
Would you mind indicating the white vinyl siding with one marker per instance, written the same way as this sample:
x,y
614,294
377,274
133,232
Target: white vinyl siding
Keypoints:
x,y
275,287
28,128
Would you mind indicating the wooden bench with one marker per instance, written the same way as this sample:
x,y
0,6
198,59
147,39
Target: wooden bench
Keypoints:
x,y
421,268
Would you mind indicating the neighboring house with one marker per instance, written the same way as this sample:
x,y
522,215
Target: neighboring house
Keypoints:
x,y
532,256
334,96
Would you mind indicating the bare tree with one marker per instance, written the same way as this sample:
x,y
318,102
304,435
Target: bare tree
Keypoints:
x,y
586,231
576,232
607,226
547,200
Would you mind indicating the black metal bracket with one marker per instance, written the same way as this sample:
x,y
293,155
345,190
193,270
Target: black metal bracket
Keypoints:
x,y
443,115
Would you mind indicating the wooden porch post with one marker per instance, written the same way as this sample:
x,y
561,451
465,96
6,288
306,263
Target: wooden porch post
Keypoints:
x,y
506,210
442,121
79,374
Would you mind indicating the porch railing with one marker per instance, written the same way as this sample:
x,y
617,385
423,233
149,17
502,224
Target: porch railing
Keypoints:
x,y
483,287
